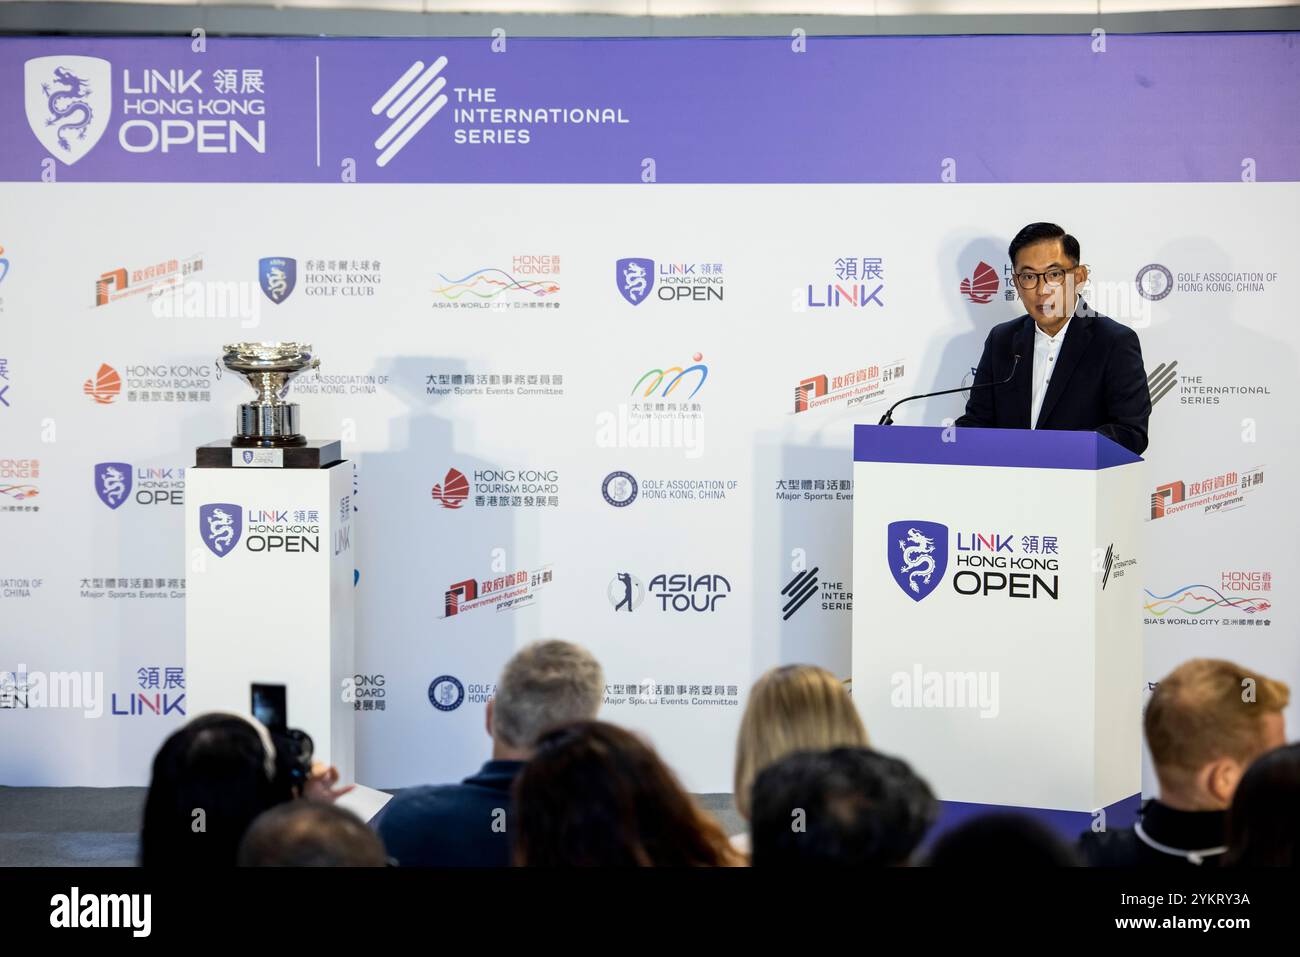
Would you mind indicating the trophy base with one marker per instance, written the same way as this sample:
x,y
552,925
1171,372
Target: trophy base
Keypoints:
x,y
268,441
312,454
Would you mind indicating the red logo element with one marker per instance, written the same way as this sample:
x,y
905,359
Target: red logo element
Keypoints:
x,y
809,389
453,491
466,590
105,385
982,285
1167,495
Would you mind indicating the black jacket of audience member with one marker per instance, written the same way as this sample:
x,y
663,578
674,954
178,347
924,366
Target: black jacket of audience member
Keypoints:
x,y
452,825
1163,837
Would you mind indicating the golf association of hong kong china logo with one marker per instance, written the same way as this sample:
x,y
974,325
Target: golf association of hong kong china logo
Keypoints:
x,y
220,525
917,553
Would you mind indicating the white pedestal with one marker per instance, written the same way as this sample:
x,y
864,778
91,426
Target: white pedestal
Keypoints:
x,y
270,596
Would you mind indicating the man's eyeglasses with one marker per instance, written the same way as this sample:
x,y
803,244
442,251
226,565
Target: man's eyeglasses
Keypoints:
x,y
1053,277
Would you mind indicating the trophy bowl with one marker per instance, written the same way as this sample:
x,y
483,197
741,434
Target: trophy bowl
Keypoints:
x,y
269,367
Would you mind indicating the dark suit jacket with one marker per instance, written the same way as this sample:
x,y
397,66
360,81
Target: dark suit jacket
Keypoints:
x,y
1099,383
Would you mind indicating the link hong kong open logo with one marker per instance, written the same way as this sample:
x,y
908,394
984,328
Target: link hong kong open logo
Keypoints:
x,y
917,554
220,525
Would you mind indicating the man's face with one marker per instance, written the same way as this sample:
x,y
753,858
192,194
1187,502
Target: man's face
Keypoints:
x,y
1046,304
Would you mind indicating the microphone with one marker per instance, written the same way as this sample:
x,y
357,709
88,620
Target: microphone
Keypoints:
x,y
888,417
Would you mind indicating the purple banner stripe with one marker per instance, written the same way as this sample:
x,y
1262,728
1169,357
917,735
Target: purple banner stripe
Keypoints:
x,y
1011,448
1150,108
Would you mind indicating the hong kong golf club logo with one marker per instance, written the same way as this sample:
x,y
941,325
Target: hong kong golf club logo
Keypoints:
x,y
635,278
220,525
278,276
112,482
917,553
69,100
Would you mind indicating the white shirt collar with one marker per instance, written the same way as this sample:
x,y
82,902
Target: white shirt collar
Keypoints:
x,y
1039,334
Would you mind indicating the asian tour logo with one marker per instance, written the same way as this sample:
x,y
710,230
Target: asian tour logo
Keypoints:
x,y
277,275
220,525
635,278
917,554
113,483
69,101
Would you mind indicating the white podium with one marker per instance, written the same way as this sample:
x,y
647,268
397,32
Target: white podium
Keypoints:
x,y
997,642
269,596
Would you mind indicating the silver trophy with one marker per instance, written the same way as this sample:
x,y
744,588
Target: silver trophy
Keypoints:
x,y
269,367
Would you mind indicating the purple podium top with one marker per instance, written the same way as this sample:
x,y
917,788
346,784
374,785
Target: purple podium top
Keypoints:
x,y
1011,448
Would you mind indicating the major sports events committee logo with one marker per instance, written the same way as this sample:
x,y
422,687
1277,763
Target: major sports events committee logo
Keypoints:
x,y
917,554
220,527
410,103
69,101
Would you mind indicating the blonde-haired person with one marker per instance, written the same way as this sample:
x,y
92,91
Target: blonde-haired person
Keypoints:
x,y
1206,722
791,708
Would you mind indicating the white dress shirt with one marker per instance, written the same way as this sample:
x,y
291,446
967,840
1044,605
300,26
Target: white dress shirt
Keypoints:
x,y
1047,349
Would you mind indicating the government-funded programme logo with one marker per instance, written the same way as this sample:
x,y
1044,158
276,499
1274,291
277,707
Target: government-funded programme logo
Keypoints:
x,y
504,592
1240,598
1154,282
917,554
635,278
1226,492
69,101
113,482
982,284
446,693
531,282
863,386
277,276
104,386
452,491
859,282
150,281
625,591
220,526
619,489
409,103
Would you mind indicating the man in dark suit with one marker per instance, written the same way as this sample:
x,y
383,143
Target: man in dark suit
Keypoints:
x,y
1077,369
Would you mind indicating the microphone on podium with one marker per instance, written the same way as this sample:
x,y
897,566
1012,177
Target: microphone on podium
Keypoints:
x,y
888,417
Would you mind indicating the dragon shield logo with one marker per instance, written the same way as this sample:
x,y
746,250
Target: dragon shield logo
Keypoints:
x,y
220,525
917,553
635,278
112,482
69,100
278,276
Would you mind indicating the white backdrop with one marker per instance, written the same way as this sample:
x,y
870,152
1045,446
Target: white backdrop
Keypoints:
x,y
758,343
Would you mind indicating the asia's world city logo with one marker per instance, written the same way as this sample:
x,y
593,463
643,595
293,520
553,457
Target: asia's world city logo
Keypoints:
x,y
220,526
917,553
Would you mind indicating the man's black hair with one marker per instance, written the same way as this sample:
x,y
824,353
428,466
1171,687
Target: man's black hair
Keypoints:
x,y
1036,233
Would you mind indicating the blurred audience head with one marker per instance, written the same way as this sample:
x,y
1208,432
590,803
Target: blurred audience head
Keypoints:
x,y
308,834
1264,820
792,708
1002,840
545,684
1207,720
210,780
846,807
595,795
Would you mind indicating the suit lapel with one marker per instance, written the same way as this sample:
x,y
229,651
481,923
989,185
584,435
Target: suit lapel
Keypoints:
x,y
1022,344
1077,338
